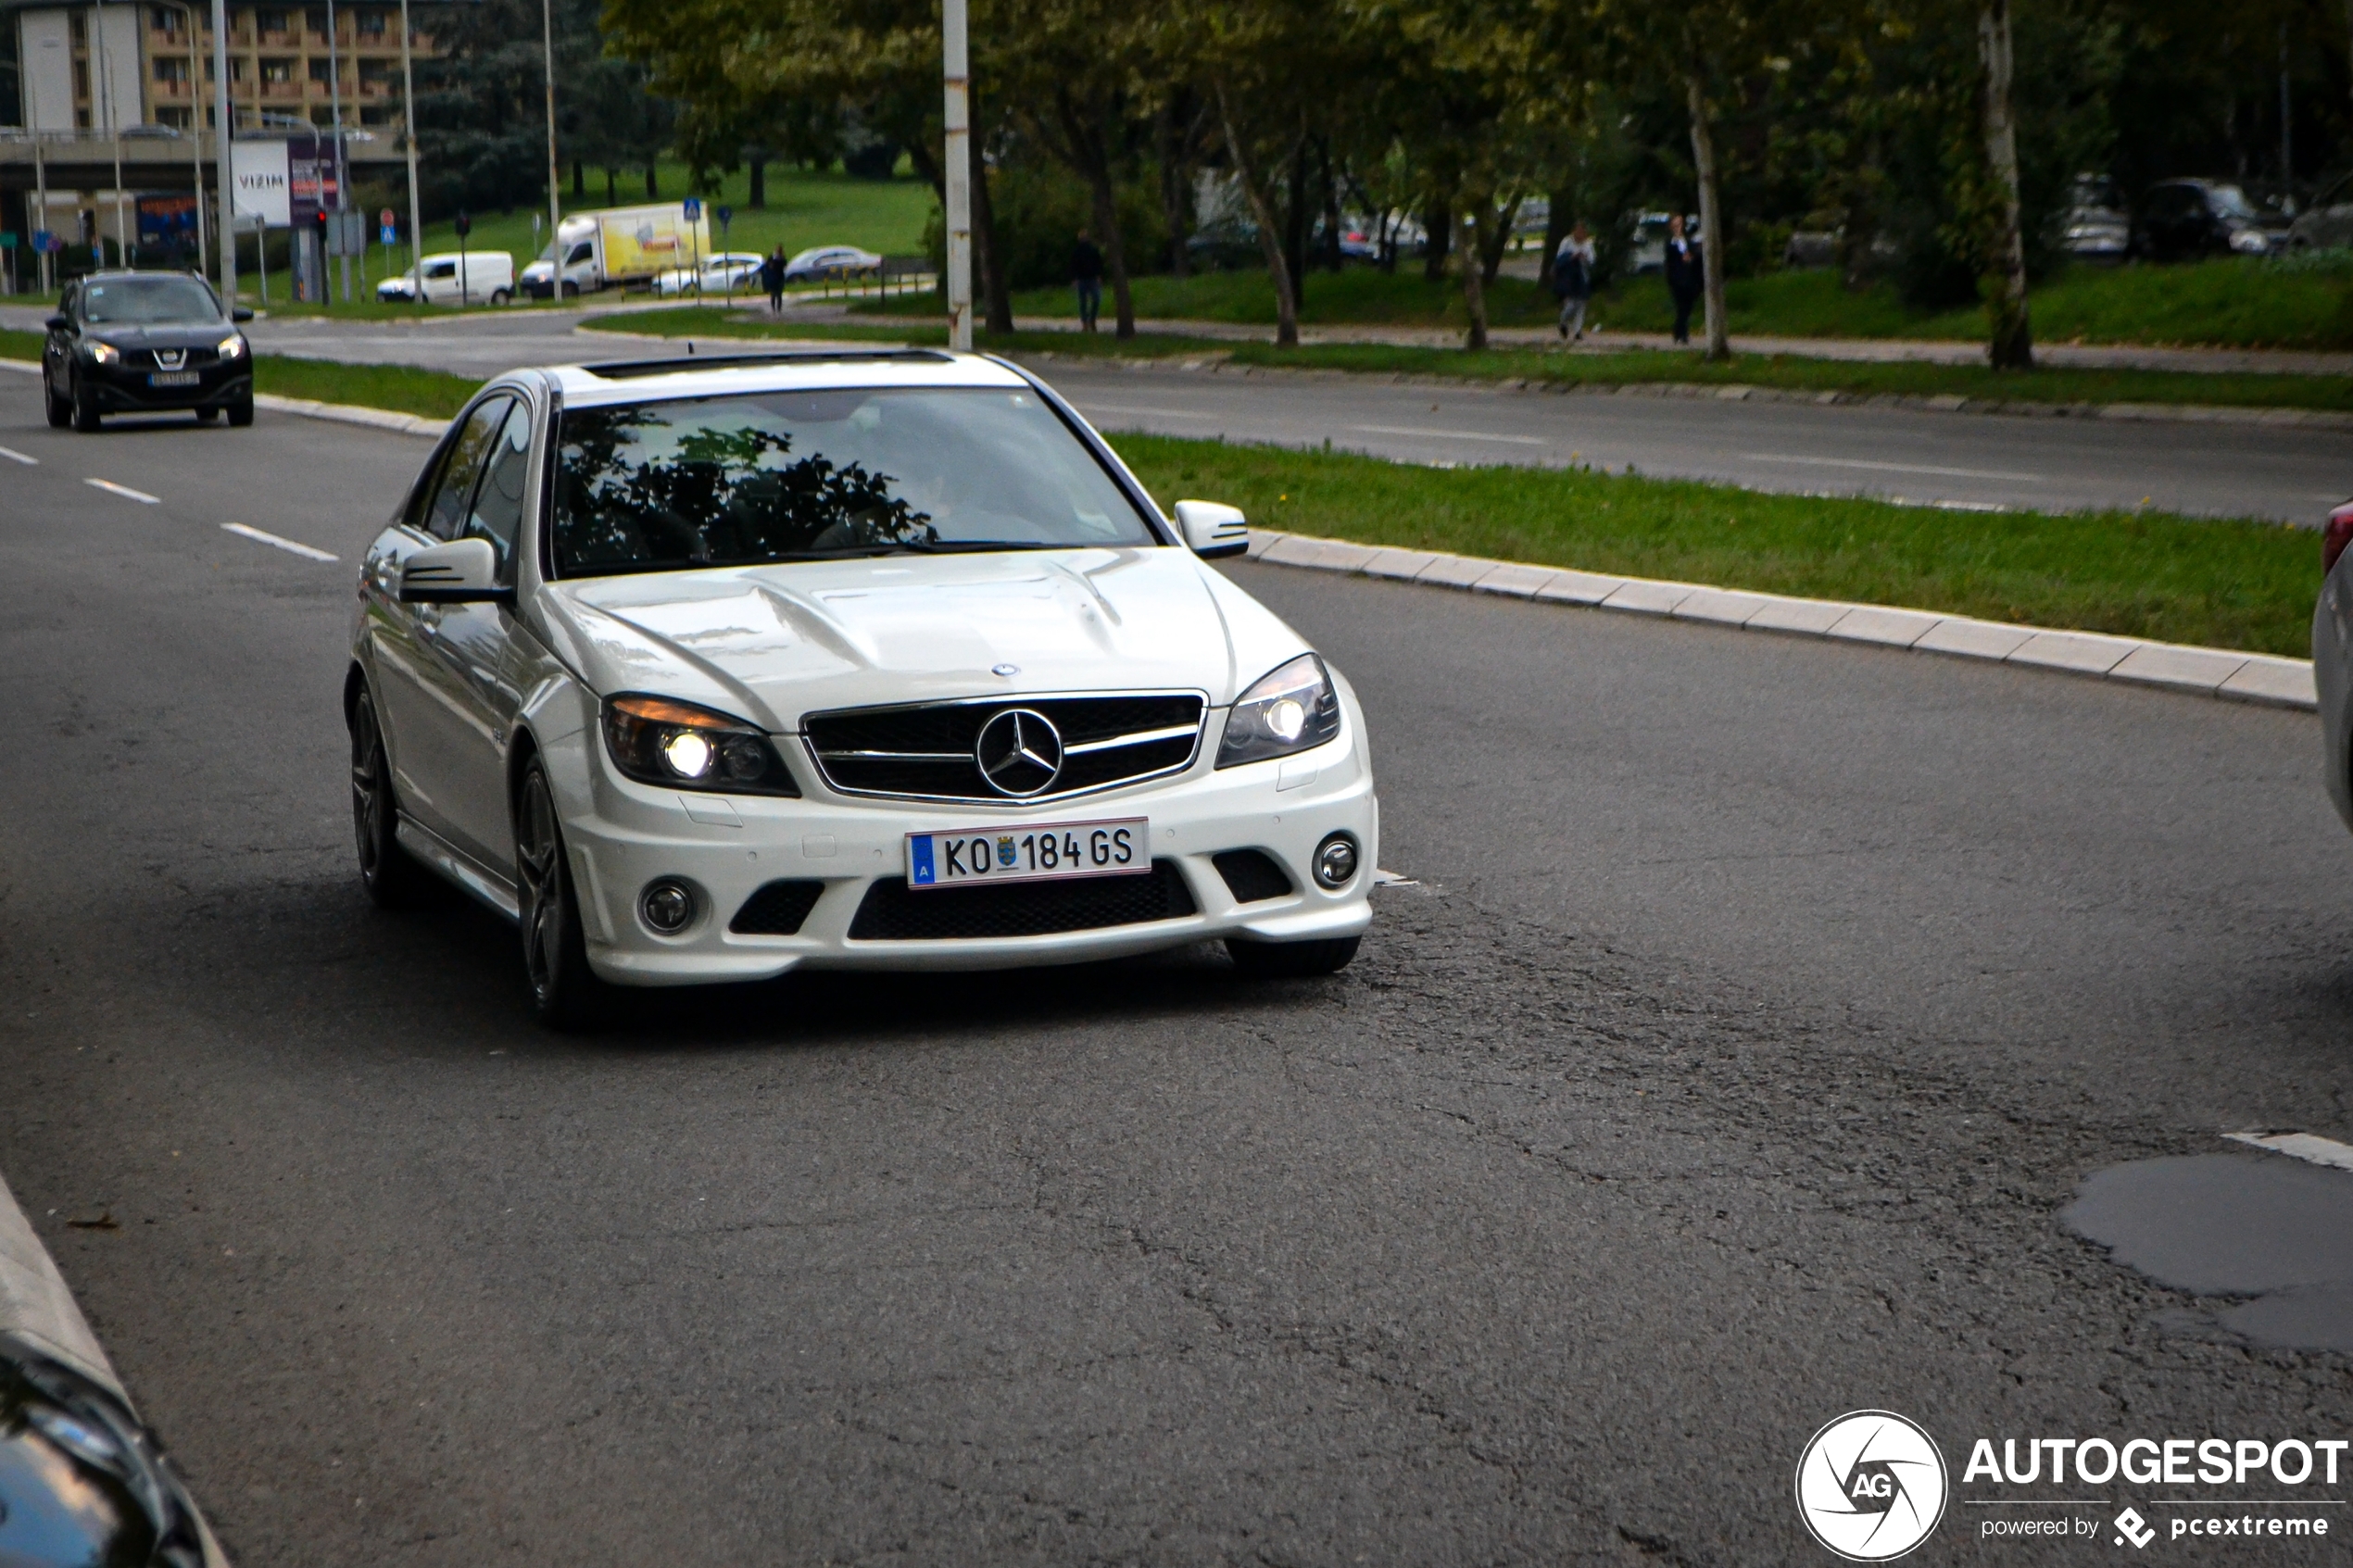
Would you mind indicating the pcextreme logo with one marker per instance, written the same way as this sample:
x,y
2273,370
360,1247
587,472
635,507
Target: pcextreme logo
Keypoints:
x,y
1872,1486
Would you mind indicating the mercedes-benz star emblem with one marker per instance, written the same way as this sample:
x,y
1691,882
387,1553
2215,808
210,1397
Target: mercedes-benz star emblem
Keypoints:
x,y
1019,752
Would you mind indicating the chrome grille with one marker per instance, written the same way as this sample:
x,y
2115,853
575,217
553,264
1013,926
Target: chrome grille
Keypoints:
x,y
928,752
171,358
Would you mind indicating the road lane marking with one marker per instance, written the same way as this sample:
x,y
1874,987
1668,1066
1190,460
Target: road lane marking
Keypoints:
x,y
16,456
1890,467
1452,434
111,488
1153,413
2300,1146
258,536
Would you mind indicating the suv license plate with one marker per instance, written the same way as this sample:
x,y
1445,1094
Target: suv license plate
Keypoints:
x,y
1046,852
174,378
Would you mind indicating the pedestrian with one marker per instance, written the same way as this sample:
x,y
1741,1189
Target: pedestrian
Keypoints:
x,y
772,278
1573,281
1087,271
1684,278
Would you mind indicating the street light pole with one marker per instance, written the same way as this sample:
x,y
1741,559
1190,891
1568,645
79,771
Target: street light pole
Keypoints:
x,y
114,121
956,72
555,213
223,126
408,116
335,113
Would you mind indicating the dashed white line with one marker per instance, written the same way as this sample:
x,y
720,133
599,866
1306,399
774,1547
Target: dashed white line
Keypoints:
x,y
111,488
16,456
258,537
2300,1146
1452,434
1890,468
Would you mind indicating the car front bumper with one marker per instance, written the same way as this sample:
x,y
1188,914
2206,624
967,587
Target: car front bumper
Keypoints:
x,y
623,837
119,389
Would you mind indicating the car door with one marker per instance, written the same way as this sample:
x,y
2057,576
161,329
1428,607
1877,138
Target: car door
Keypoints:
x,y
413,693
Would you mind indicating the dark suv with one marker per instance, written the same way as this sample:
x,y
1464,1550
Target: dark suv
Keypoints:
x,y
2186,218
144,343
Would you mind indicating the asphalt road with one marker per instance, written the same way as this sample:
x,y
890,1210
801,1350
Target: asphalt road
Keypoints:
x,y
1761,1004
1978,460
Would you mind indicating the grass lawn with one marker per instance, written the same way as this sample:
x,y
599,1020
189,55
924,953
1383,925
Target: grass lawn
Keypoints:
x,y
2236,302
2224,584
1635,367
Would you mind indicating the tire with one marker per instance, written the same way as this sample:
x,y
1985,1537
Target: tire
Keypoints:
x,y
241,411
500,296
85,412
60,410
572,290
565,994
206,416
392,880
1292,961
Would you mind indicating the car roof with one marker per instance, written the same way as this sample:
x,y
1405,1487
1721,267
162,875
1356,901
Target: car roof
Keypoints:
x,y
727,373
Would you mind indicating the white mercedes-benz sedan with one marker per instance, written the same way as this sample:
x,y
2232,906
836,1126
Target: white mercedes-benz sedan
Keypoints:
x,y
706,668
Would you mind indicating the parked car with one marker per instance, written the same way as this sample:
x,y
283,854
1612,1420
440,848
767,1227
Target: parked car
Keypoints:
x,y
2096,224
472,277
2328,222
728,272
830,261
145,342
1646,247
2184,219
618,246
1229,245
707,669
1810,248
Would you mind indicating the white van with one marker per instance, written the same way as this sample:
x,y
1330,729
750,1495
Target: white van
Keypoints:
x,y
488,277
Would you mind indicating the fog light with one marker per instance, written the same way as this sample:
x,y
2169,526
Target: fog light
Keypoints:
x,y
666,907
1335,861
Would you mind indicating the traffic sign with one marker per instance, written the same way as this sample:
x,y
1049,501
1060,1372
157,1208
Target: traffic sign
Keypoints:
x,y
725,214
388,234
45,241
385,219
465,225
7,238
694,209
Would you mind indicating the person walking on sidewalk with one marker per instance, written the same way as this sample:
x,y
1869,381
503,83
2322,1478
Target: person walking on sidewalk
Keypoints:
x,y
1087,271
1573,281
772,279
1685,280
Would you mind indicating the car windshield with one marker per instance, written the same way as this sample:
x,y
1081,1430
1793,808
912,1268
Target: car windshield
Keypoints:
x,y
2230,201
801,475
147,302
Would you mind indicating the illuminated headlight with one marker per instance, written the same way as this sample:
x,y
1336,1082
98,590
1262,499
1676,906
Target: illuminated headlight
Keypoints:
x,y
231,346
1293,708
657,741
102,353
2251,241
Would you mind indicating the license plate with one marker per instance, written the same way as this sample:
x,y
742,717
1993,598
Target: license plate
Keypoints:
x,y
1047,852
174,378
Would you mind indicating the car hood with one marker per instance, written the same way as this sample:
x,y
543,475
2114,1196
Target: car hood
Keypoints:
x,y
159,334
773,642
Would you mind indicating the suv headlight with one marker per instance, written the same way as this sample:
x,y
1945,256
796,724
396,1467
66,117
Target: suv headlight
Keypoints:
x,y
102,353
231,346
1293,708
2251,241
676,745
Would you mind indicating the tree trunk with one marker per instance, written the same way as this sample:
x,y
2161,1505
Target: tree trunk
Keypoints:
x,y
996,296
1295,223
1711,219
653,185
1491,248
1438,237
613,186
2348,29
1556,229
757,198
2012,347
1333,257
1269,240
579,181
1469,249
1174,166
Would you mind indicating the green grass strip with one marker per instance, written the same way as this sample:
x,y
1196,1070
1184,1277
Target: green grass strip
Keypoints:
x,y
2244,586
1640,367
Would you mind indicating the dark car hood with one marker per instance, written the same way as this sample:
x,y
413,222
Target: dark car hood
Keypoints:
x,y
159,334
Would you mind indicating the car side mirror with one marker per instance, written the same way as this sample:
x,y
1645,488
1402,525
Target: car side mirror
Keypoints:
x,y
463,571
1213,530
241,313
59,323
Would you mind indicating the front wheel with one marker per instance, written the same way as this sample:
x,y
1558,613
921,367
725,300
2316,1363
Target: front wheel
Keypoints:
x,y
241,411
206,416
392,880
564,993
60,410
572,290
1292,961
85,408
500,296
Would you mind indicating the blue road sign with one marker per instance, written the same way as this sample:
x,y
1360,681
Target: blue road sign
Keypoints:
x,y
725,214
388,234
694,209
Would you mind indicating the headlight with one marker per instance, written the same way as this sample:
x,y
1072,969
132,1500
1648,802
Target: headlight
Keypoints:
x,y
2251,241
102,353
1292,709
232,346
657,741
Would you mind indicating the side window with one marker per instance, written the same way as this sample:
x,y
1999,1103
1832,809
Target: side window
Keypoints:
x,y
497,509
579,254
446,513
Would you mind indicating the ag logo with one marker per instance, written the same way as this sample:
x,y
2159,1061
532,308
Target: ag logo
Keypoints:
x,y
1872,1486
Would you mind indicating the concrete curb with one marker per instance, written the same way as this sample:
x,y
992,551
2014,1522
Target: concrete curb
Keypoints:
x,y
36,1303
2216,673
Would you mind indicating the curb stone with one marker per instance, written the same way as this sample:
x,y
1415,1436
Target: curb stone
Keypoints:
x,y
2217,672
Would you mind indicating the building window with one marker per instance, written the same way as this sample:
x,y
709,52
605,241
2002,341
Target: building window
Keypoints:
x,y
79,28
318,70
370,25
177,118
81,79
172,72
317,22
271,22
274,72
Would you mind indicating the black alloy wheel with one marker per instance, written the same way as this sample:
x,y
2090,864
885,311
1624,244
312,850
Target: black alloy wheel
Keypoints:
x,y
1292,961
564,993
241,411
393,879
85,407
60,410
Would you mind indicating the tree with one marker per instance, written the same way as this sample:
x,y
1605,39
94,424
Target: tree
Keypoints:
x,y
2012,347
